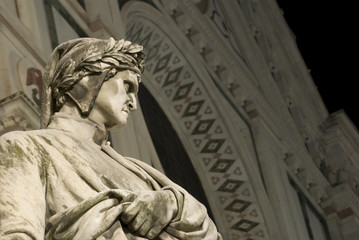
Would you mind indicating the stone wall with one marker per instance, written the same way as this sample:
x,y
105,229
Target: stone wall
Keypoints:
x,y
272,162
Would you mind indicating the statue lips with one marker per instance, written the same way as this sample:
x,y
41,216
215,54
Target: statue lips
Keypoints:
x,y
125,110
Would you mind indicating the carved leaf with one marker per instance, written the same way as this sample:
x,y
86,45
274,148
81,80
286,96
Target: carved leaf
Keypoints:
x,y
90,51
110,45
93,57
126,46
93,67
132,59
118,46
122,57
110,60
66,82
134,48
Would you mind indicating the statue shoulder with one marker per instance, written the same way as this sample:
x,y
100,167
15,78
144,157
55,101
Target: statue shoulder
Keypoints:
x,y
23,139
13,136
24,151
21,135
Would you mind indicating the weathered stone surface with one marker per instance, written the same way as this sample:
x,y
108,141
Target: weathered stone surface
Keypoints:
x,y
66,181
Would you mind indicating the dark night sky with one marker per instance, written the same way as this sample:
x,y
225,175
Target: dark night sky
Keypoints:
x,y
325,33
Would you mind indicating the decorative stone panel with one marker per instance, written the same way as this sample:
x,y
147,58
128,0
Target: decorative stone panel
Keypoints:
x,y
187,103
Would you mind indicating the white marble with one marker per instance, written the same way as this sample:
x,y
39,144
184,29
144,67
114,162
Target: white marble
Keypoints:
x,y
67,182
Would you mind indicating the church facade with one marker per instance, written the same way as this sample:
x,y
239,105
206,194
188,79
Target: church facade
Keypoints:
x,y
228,109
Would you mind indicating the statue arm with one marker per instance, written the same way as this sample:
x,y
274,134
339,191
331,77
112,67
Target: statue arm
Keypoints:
x,y
22,192
192,220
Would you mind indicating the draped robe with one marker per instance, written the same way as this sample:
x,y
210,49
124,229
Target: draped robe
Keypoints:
x,y
57,185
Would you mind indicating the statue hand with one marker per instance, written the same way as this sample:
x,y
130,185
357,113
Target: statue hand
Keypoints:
x,y
150,212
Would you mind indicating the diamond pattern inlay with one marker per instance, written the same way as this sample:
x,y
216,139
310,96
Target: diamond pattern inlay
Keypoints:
x,y
193,108
238,205
153,51
172,76
129,31
203,126
162,63
136,35
212,146
179,84
145,40
222,165
230,185
244,225
182,91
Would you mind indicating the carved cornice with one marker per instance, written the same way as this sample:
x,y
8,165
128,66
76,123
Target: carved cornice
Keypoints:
x,y
340,129
18,112
341,142
244,82
246,97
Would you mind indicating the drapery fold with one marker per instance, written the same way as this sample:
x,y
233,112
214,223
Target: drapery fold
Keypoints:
x,y
67,191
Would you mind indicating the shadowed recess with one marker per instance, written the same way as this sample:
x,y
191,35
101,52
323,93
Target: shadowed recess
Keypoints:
x,y
173,156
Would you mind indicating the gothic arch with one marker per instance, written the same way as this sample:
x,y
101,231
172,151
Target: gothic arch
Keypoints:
x,y
176,76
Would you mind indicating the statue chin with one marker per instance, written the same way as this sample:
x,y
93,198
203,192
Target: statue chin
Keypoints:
x,y
115,126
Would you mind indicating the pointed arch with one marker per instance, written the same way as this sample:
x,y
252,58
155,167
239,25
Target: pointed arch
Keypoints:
x,y
176,77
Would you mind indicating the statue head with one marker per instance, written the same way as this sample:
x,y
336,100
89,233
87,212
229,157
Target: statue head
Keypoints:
x,y
77,70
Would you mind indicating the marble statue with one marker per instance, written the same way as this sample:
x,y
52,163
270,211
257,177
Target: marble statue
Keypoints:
x,y
66,182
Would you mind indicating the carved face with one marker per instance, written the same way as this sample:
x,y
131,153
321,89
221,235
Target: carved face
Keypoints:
x,y
117,97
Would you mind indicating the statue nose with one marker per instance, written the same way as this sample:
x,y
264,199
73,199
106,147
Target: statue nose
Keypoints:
x,y
132,102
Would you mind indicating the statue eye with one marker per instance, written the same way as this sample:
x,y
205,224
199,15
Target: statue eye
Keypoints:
x,y
128,86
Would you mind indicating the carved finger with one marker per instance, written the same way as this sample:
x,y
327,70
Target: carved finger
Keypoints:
x,y
130,213
121,194
143,230
154,232
136,223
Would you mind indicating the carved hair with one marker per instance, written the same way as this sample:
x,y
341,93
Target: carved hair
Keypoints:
x,y
96,59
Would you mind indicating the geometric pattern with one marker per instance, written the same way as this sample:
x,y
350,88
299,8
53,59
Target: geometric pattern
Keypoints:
x,y
203,126
245,225
222,165
212,146
230,185
135,35
186,97
153,50
182,91
193,108
146,39
238,205
162,63
172,76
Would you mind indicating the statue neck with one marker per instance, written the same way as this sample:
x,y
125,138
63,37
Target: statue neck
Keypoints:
x,y
81,127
